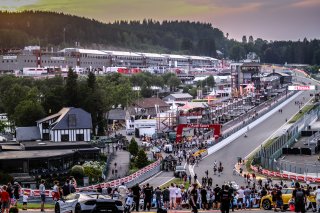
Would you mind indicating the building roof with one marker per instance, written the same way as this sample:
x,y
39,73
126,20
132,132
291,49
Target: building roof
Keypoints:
x,y
45,145
70,118
30,133
117,114
151,55
180,95
174,56
84,51
251,64
43,154
150,103
193,105
121,53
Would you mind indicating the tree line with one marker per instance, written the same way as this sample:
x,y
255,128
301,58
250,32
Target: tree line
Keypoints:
x,y
51,29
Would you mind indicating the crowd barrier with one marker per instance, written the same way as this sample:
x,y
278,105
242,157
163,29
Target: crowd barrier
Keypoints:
x,y
285,176
128,180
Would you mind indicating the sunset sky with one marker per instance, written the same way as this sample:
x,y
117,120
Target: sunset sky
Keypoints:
x,y
267,19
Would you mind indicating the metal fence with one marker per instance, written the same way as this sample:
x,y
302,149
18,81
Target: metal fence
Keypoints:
x,y
144,176
299,167
267,156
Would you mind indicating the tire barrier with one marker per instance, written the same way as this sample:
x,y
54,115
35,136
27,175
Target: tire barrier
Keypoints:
x,y
285,176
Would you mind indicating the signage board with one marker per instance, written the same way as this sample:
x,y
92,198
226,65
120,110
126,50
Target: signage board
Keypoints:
x,y
9,57
302,88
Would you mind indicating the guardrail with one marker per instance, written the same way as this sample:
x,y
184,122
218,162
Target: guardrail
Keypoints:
x,y
286,176
129,181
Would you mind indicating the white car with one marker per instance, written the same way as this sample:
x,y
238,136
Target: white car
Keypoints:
x,y
88,202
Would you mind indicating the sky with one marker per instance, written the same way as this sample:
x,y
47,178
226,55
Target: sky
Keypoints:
x,y
266,19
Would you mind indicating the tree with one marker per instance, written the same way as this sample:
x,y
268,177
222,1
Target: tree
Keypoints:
x,y
173,82
142,159
92,172
28,112
145,91
244,39
77,171
210,82
2,126
237,52
92,81
133,147
71,89
251,39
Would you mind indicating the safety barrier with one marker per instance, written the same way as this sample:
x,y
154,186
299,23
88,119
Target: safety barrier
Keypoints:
x,y
286,176
129,181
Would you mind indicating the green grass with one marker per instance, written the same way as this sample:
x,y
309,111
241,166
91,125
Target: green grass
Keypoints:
x,y
177,181
270,142
299,115
249,162
36,206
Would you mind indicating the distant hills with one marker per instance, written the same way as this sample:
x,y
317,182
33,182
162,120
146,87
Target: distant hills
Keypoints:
x,y
51,29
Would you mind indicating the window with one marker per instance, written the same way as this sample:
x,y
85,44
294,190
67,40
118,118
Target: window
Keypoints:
x,y
45,136
79,137
64,138
45,125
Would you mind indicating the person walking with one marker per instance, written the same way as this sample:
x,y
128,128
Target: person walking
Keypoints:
x,y
42,190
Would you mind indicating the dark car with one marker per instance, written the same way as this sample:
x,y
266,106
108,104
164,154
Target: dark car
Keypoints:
x,y
180,171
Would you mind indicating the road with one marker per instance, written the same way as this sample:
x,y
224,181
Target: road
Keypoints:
x,y
242,146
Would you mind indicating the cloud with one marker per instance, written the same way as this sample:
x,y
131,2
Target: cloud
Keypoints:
x,y
14,4
306,4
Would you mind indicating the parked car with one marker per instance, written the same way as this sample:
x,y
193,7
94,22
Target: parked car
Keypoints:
x,y
179,170
88,202
266,201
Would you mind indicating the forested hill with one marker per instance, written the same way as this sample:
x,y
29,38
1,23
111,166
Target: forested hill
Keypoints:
x,y
182,37
49,28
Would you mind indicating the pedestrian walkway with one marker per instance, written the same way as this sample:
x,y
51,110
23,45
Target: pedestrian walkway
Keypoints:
x,y
119,166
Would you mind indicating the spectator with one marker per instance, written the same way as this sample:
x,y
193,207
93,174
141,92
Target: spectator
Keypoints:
x,y
147,197
225,198
16,192
42,190
136,195
178,197
166,197
55,191
299,197
25,201
173,196
194,198
5,199
158,194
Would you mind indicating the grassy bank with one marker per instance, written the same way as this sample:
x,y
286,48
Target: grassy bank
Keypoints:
x,y
299,115
36,206
178,182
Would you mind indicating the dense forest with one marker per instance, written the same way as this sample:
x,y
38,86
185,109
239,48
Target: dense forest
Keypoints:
x,y
18,29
